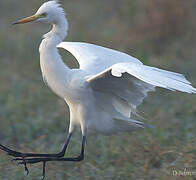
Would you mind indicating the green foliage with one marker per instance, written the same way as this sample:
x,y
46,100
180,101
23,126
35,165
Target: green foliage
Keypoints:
x,y
33,119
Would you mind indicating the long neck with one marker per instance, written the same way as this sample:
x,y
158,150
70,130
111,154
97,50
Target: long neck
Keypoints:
x,y
54,71
48,50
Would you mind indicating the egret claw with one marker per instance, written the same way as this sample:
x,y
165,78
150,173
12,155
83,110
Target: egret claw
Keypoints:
x,y
44,170
27,170
25,165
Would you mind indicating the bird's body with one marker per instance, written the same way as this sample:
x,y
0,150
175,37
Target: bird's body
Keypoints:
x,y
88,108
106,89
85,106
98,95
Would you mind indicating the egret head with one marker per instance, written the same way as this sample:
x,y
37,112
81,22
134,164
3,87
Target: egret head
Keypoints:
x,y
50,12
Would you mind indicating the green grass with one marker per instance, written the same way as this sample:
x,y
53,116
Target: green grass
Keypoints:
x,y
33,119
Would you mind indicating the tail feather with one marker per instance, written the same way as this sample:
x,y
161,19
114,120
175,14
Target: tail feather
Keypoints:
x,y
127,124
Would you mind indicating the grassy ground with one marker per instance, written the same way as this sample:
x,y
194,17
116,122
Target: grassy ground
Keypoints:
x,y
33,119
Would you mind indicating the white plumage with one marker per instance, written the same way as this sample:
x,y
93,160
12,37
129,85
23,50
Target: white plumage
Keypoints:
x,y
103,93
120,82
109,84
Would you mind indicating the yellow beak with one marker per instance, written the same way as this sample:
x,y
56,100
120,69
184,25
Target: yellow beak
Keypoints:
x,y
28,19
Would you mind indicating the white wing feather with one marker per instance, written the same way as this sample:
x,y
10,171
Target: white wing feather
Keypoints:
x,y
120,82
95,59
99,61
151,75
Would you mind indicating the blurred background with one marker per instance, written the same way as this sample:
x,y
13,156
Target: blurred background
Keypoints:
x,y
33,119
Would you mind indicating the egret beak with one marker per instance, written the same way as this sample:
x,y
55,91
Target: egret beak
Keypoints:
x,y
28,19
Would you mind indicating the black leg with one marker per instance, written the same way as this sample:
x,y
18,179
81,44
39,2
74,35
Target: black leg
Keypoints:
x,y
44,170
47,159
23,155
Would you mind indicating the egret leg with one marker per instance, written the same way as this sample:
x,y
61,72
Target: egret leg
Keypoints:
x,y
47,159
24,155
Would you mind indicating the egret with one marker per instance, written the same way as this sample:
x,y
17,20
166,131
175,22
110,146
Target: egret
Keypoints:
x,y
102,94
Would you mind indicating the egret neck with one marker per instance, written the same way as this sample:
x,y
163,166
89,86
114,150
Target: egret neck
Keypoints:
x,y
54,71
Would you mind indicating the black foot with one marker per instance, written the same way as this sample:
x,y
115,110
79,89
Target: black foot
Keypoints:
x,y
15,154
26,158
23,161
21,158
25,166
45,160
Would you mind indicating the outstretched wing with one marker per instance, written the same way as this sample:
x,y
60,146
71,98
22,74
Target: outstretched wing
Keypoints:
x,y
150,75
121,74
95,59
131,82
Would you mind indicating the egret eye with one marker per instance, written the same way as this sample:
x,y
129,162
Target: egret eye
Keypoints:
x,y
43,15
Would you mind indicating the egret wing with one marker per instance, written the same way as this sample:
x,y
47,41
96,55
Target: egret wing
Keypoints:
x,y
132,81
122,74
95,59
120,82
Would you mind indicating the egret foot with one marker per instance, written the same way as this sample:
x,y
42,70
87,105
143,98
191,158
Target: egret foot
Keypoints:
x,y
23,158
44,160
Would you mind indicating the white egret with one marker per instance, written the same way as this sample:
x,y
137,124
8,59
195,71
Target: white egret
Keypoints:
x,y
103,93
